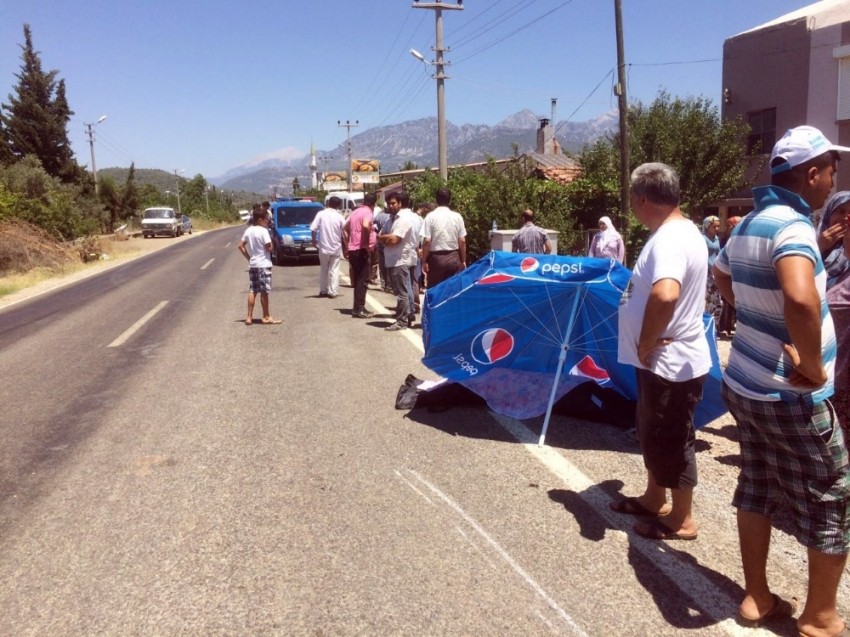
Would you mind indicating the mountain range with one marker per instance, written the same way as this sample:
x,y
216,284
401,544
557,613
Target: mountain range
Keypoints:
x,y
415,141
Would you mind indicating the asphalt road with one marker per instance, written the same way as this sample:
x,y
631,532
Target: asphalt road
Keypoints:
x,y
167,470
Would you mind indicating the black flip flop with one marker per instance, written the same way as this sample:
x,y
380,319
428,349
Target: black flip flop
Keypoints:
x,y
632,506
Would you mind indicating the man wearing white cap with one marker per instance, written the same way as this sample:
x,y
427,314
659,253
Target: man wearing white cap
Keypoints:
x,y
778,380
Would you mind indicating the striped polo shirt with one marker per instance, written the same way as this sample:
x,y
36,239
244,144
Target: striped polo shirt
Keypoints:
x,y
758,366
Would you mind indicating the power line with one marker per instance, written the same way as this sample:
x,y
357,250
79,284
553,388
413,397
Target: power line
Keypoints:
x,y
514,32
496,21
596,88
391,48
483,12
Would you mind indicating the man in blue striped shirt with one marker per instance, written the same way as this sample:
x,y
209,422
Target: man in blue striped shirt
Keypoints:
x,y
778,380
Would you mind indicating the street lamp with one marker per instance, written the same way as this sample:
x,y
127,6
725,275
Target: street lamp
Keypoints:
x,y
90,133
440,76
177,179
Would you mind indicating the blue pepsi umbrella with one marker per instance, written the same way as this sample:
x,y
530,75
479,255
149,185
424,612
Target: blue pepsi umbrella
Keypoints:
x,y
522,330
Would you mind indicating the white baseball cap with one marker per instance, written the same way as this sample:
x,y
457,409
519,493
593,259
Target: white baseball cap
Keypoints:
x,y
799,145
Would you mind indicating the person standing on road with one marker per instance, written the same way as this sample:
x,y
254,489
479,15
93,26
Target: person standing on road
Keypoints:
x,y
400,241
711,234
607,243
662,336
530,239
777,382
255,246
382,223
726,322
327,237
444,241
358,246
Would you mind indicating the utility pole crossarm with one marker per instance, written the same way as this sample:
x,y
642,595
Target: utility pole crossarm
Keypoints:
x,y
348,126
440,76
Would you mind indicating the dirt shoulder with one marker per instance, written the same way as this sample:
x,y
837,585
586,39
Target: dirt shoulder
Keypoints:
x,y
116,252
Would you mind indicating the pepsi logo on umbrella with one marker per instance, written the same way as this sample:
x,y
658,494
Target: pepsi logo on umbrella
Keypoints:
x,y
491,346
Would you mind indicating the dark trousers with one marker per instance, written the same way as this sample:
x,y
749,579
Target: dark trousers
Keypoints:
x,y
400,280
665,428
360,269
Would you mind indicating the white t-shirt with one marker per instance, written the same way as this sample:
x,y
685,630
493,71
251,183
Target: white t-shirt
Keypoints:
x,y
403,252
328,225
675,251
445,228
256,239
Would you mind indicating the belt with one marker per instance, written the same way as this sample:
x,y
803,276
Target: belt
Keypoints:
x,y
442,251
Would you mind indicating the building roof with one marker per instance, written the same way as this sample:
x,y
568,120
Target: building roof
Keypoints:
x,y
824,13
558,168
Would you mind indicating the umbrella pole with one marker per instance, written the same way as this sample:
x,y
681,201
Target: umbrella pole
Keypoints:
x,y
561,359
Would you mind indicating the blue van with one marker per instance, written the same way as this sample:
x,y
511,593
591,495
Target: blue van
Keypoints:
x,y
292,237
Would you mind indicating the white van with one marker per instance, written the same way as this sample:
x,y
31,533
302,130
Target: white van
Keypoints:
x,y
350,200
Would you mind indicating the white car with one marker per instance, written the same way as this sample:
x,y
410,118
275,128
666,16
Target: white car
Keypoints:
x,y
244,215
161,221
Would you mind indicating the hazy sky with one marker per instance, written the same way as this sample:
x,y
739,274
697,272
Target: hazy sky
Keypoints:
x,y
204,86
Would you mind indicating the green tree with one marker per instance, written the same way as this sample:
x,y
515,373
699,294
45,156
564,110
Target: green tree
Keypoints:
x,y
686,133
43,200
483,198
36,118
120,203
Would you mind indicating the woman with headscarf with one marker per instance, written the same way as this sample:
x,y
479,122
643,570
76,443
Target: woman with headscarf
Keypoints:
x,y
607,243
831,233
711,232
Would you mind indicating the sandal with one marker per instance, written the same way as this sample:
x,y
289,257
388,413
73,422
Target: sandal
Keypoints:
x,y
271,321
657,530
781,608
632,506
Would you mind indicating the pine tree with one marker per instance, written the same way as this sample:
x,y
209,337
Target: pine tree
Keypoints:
x,y
35,119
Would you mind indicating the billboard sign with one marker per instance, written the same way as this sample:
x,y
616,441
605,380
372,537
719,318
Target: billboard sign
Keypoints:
x,y
365,171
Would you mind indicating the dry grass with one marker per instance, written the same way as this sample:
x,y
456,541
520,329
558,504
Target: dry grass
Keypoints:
x,y
30,258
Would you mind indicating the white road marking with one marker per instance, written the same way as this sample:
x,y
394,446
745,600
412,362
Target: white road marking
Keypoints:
x,y
135,327
207,264
714,602
705,595
502,553
413,486
228,244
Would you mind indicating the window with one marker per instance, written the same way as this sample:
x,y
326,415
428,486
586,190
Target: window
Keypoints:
x,y
762,131
843,85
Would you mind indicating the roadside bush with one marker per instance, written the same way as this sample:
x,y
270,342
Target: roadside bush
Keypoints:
x,y
483,198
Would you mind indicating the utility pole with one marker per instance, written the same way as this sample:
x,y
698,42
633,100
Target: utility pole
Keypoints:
x,y
440,76
623,107
348,126
90,133
177,179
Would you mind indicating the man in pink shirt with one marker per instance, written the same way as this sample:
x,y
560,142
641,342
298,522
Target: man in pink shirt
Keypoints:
x,y
358,245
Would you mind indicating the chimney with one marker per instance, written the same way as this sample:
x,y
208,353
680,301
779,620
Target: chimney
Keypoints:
x,y
545,138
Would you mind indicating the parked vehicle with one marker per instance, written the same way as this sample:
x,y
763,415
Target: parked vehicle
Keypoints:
x,y
291,219
350,201
156,221
186,226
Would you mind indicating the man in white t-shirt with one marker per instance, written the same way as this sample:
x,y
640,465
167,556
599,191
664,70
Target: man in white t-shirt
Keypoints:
x,y
443,241
327,237
661,334
256,245
400,242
